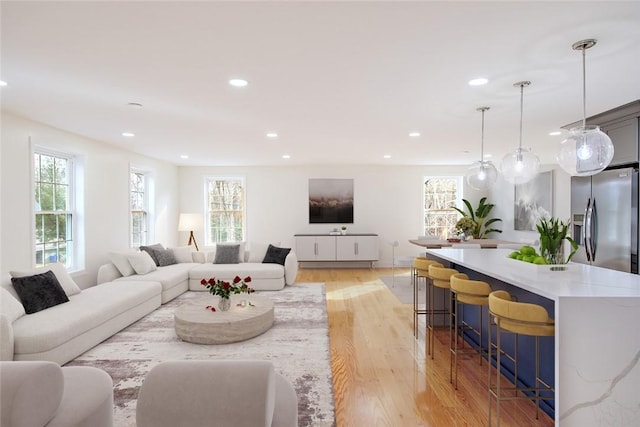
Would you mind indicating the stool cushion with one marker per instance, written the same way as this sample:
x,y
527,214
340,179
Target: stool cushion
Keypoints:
x,y
519,317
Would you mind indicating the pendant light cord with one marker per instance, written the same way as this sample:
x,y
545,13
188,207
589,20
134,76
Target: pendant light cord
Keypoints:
x,y
521,109
584,88
482,139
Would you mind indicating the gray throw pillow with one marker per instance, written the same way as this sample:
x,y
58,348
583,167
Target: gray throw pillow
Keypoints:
x,y
151,250
227,254
165,257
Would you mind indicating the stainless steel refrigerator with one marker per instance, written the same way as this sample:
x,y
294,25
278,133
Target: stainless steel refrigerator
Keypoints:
x,y
604,213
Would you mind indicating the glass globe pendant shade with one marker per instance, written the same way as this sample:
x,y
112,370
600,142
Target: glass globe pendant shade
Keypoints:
x,y
482,175
519,166
586,151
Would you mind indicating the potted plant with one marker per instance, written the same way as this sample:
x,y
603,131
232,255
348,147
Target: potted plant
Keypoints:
x,y
479,217
553,233
465,227
343,230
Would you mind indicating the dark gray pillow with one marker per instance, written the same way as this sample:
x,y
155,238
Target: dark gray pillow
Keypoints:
x,y
39,291
151,250
227,254
276,255
165,257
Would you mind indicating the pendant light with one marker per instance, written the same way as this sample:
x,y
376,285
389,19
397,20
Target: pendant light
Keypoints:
x,y
482,174
520,165
587,150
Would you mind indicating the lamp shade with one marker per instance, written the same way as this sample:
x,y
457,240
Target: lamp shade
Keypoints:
x,y
190,222
482,175
586,151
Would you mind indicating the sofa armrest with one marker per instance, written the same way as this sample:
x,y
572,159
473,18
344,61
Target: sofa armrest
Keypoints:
x,y
290,268
108,273
31,392
6,338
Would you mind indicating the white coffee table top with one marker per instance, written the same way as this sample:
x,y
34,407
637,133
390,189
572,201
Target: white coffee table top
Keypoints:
x,y
196,324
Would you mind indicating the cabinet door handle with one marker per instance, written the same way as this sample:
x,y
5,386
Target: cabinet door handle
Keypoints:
x,y
315,249
356,248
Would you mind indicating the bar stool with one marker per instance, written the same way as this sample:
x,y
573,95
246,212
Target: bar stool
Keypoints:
x,y
520,319
439,279
420,269
467,292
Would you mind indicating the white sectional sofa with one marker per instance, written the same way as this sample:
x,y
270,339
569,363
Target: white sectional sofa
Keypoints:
x,y
64,331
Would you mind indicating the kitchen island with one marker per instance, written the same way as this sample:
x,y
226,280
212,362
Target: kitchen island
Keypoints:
x,y
597,341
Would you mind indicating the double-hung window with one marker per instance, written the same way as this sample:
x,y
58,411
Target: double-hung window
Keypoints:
x,y
225,210
139,211
441,195
54,209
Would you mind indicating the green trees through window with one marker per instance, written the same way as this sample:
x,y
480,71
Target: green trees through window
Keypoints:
x,y
53,209
225,210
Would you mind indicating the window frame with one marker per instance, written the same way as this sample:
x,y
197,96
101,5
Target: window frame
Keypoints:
x,y
209,241
146,207
458,198
74,257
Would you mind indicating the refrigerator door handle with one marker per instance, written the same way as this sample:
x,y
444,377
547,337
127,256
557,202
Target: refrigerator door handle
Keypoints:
x,y
586,230
594,229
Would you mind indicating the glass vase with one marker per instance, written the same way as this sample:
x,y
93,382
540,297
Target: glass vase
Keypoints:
x,y
224,304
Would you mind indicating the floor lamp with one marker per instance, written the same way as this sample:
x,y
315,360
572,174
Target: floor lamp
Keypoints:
x,y
190,222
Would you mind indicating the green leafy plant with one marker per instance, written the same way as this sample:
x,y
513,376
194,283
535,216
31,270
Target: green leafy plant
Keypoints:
x,y
479,216
553,233
466,226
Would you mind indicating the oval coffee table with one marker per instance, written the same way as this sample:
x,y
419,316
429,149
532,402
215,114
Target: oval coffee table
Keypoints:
x,y
196,324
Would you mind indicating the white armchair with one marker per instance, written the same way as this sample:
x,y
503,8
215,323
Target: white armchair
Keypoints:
x,y
216,393
36,394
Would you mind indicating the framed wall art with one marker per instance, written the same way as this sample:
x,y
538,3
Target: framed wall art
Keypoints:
x,y
330,201
532,201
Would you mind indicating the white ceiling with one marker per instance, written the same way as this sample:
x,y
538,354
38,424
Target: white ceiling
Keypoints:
x,y
340,82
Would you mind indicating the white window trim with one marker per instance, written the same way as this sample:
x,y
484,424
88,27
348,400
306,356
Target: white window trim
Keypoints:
x,y
76,203
149,196
459,194
205,186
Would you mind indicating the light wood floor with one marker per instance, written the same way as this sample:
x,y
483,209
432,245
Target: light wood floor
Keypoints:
x,y
381,376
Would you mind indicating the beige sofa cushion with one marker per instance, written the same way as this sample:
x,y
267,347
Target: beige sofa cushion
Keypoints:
x,y
70,287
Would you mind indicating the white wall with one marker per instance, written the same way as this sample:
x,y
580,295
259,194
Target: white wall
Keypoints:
x,y
388,201
106,185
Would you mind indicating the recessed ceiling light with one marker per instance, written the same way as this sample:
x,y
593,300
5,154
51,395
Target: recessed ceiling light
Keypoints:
x,y
128,134
3,83
135,105
387,156
414,134
286,156
272,135
184,156
238,82
487,156
478,82
555,133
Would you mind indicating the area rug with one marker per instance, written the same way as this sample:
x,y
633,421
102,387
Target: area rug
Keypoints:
x,y
297,344
401,287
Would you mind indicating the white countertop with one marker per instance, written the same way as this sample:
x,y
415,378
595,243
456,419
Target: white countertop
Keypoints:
x,y
579,280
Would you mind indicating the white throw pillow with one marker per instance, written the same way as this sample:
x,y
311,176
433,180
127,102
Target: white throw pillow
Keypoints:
x,y
121,261
70,287
142,262
258,250
9,306
183,253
